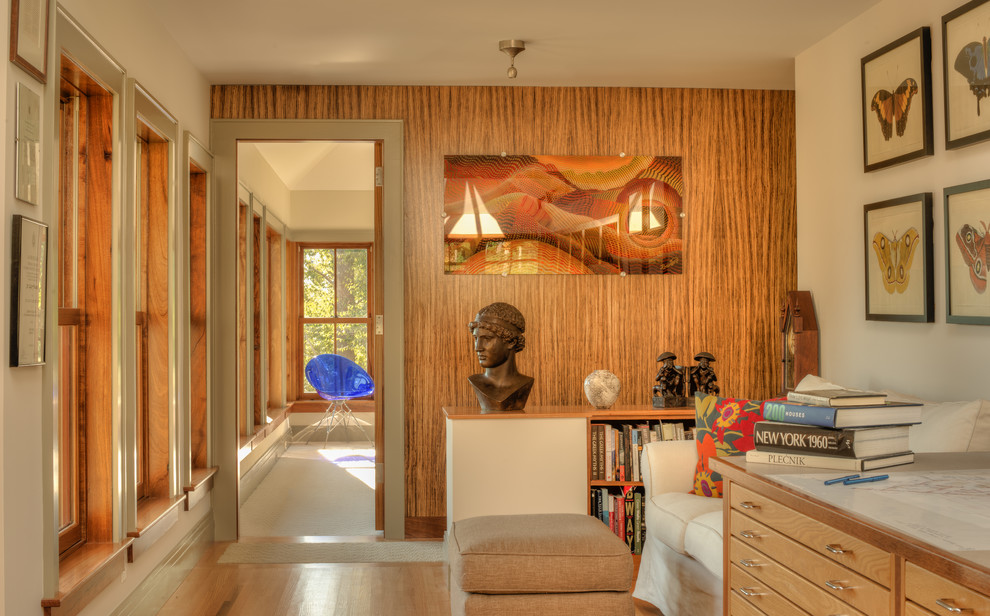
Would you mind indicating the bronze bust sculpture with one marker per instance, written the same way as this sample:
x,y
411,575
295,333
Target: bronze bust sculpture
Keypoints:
x,y
498,335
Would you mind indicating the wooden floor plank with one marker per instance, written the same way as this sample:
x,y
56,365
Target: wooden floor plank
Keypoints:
x,y
351,589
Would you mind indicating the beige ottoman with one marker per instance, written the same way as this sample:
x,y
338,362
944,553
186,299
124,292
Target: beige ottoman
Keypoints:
x,y
563,564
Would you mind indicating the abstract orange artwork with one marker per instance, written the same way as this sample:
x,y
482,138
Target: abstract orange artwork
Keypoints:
x,y
563,214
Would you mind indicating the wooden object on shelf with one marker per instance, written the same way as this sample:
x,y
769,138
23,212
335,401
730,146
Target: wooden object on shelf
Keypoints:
x,y
799,339
800,549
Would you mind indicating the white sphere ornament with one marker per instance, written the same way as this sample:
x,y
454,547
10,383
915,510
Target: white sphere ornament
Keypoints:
x,y
602,388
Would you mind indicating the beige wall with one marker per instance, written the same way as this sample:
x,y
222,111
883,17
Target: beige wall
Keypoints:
x,y
937,360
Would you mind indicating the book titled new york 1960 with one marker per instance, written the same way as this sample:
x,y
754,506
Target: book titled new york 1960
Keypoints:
x,y
815,440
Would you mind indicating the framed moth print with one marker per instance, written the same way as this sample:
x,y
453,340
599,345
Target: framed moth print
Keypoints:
x,y
897,101
965,73
967,251
899,261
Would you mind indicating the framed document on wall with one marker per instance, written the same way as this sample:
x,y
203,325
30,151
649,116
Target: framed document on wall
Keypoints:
x,y
29,264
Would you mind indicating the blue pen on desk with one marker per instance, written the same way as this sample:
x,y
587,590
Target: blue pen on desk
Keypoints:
x,y
865,479
829,482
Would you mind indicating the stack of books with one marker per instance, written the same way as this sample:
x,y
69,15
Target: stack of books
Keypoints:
x,y
835,429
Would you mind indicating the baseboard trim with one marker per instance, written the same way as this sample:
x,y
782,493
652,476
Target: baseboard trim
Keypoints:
x,y
254,475
152,593
426,527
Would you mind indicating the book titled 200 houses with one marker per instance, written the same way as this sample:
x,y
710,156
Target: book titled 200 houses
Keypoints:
x,y
887,414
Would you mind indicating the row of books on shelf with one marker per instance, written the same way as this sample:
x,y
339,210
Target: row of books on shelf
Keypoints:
x,y
835,429
623,511
616,449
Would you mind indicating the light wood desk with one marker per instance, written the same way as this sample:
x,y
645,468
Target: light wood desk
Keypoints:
x,y
794,547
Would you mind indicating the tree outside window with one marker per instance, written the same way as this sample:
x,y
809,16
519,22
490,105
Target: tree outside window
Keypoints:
x,y
336,311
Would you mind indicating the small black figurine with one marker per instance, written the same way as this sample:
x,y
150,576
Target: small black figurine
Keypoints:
x,y
703,377
669,390
498,335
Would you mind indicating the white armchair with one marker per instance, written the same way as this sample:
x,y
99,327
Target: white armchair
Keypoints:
x,y
681,567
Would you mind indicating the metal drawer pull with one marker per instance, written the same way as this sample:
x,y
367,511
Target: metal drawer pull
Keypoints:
x,y
949,606
838,585
837,549
750,591
749,505
749,534
748,562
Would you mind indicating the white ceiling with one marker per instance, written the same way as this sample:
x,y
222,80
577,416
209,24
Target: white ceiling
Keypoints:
x,y
321,165
633,43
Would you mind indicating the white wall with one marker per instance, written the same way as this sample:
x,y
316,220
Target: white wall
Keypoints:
x,y
254,172
128,32
937,360
342,210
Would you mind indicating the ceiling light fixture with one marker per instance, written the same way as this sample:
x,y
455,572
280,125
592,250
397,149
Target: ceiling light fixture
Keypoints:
x,y
512,47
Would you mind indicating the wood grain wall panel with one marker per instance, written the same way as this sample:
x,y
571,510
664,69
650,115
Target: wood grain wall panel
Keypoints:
x,y
275,337
293,310
739,229
98,391
157,319
197,316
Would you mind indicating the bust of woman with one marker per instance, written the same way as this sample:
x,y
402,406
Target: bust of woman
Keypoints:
x,y
498,335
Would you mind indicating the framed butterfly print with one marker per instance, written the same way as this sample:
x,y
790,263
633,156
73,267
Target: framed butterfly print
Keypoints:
x,y
899,260
897,101
965,61
967,253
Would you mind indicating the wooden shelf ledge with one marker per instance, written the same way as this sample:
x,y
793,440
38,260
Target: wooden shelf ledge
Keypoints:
x,y
247,442
152,512
155,516
200,485
84,574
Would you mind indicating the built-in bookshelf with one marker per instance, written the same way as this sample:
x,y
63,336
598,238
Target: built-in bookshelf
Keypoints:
x,y
615,441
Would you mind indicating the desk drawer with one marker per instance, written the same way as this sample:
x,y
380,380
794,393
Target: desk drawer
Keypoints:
x,y
913,609
835,545
760,595
941,596
806,595
739,607
825,574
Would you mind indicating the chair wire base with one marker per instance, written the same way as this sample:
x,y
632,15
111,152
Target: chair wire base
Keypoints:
x,y
338,414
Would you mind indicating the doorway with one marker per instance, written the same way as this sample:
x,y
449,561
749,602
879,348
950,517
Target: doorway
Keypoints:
x,y
385,319
308,287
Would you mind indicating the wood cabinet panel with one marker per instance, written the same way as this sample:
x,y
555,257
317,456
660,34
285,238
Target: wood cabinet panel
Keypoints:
x,y
819,537
942,596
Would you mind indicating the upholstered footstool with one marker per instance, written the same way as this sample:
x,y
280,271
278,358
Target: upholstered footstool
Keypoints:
x,y
549,564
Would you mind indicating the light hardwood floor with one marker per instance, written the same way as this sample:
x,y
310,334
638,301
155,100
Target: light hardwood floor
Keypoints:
x,y
374,589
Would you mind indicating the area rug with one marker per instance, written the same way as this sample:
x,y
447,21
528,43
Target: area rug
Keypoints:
x,y
366,552
314,490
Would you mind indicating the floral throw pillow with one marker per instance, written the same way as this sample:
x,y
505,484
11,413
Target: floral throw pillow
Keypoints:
x,y
723,427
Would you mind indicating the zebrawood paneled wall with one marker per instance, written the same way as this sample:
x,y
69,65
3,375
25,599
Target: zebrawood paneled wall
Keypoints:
x,y
740,252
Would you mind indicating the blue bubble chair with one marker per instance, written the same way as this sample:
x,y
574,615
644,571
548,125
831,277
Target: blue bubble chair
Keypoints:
x,y
337,379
